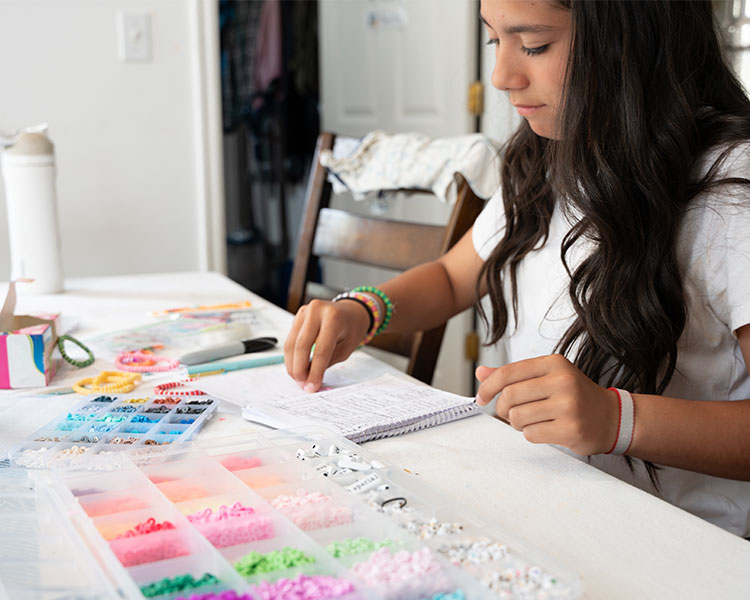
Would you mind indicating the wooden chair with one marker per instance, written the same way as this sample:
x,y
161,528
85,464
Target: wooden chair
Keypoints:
x,y
334,233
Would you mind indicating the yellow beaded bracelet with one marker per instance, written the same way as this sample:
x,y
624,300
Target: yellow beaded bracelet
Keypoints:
x,y
107,382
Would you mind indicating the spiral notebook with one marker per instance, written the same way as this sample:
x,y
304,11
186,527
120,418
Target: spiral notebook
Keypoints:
x,y
383,407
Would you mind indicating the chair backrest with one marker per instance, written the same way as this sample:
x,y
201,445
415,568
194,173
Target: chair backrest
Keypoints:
x,y
334,233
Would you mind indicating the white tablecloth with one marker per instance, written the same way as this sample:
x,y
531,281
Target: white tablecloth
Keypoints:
x,y
624,543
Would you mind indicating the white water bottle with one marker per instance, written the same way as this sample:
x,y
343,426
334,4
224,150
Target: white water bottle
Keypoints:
x,y
28,169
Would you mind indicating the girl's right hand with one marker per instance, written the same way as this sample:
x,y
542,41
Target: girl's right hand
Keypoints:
x,y
336,329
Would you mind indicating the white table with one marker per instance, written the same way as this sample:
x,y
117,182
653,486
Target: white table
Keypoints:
x,y
623,542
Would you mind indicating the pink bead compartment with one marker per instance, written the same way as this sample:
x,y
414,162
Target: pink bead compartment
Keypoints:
x,y
131,524
152,547
233,462
312,510
232,525
97,505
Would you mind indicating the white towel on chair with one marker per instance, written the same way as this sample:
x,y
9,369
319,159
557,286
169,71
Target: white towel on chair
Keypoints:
x,y
413,161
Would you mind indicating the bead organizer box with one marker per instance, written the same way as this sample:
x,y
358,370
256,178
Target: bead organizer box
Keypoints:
x,y
100,425
258,517
501,561
41,554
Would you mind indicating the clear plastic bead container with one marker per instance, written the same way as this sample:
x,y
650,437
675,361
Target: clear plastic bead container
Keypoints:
x,y
41,553
104,424
289,509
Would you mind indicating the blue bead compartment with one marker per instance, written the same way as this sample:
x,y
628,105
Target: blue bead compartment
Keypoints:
x,y
104,424
378,501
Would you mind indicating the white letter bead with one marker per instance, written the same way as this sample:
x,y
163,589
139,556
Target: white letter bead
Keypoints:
x,y
365,483
353,464
326,469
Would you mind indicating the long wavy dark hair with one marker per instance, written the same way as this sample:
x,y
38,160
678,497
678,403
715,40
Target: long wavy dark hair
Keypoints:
x,y
647,93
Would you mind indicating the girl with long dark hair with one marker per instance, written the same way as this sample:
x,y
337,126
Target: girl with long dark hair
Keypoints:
x,y
616,255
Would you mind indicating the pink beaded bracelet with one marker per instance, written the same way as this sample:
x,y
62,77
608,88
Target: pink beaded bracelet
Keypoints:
x,y
145,362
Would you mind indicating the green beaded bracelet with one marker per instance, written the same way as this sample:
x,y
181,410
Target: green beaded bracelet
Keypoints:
x,y
76,363
386,301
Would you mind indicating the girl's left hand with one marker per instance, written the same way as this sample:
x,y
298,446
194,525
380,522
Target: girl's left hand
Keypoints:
x,y
551,401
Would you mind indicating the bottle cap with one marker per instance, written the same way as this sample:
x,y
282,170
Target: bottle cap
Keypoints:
x,y
30,149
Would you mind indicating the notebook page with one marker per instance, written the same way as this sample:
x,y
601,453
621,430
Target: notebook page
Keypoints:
x,y
455,414
271,384
367,409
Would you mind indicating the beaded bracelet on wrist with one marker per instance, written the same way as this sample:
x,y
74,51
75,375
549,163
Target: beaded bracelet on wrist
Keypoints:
x,y
372,306
377,322
347,296
386,302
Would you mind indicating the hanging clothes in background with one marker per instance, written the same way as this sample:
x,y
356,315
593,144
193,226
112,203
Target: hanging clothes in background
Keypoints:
x,y
269,73
268,60
238,35
300,36
269,68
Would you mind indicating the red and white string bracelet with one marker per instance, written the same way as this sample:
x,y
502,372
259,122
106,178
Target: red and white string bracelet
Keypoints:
x,y
625,423
165,389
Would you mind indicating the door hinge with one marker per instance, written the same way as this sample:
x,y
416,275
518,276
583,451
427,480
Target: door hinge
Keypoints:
x,y
472,346
476,98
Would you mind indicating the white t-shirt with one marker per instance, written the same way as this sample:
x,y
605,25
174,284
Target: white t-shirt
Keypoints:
x,y
714,254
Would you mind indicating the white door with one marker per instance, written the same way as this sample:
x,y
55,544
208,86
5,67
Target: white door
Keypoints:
x,y
397,65
401,66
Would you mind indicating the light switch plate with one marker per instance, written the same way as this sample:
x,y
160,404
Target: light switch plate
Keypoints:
x,y
133,36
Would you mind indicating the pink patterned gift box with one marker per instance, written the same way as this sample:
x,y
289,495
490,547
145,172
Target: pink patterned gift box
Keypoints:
x,y
26,345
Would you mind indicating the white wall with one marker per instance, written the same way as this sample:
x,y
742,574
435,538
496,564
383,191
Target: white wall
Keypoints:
x,y
137,144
